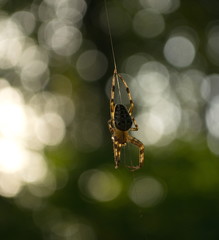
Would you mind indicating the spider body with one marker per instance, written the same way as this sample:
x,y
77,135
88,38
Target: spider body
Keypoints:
x,y
121,123
123,120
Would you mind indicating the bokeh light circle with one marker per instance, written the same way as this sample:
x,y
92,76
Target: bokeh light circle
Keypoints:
x,y
148,23
212,117
146,192
50,129
153,77
179,51
210,86
66,40
91,65
26,20
99,185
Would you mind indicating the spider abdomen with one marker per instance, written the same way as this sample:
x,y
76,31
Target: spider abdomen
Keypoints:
x,y
122,118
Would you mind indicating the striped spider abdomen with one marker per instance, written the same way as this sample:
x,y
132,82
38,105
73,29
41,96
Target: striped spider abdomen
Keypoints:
x,y
123,120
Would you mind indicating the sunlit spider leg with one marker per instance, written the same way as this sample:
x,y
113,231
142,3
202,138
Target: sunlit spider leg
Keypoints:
x,y
129,94
116,145
110,126
117,152
112,101
136,125
140,145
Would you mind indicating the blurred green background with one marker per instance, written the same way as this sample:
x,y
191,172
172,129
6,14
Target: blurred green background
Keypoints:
x,y
57,176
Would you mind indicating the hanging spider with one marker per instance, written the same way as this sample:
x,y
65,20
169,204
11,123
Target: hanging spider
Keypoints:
x,y
121,123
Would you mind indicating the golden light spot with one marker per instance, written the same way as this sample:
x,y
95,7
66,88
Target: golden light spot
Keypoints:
x,y
99,185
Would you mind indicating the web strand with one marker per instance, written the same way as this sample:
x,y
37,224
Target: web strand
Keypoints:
x,y
110,35
113,51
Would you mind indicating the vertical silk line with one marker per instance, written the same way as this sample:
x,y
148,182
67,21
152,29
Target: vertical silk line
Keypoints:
x,y
113,51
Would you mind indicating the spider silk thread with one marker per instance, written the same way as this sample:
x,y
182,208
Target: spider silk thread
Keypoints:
x,y
112,49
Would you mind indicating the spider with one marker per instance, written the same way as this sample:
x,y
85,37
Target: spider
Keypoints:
x,y
121,123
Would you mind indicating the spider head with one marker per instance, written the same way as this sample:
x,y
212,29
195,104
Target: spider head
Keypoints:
x,y
123,120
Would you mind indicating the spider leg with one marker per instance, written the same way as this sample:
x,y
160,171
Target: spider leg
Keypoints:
x,y
140,145
136,125
112,98
116,145
110,126
129,94
117,152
